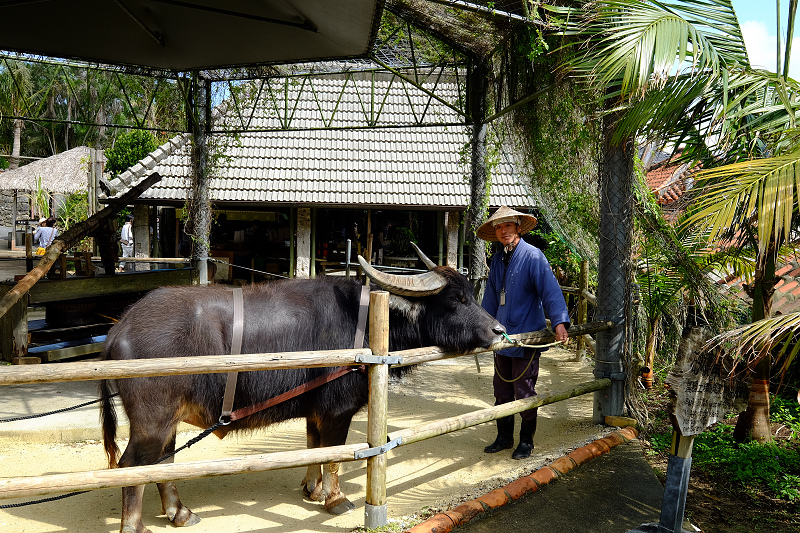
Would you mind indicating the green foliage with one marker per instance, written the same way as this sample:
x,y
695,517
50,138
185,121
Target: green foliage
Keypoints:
x,y
786,411
753,466
41,200
129,148
75,209
560,256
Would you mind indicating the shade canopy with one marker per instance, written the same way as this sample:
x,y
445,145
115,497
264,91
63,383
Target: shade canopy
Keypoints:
x,y
184,36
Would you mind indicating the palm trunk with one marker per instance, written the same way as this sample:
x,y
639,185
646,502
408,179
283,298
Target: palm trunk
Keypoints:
x,y
650,352
16,146
753,424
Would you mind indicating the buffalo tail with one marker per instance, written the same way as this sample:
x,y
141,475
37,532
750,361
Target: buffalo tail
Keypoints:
x,y
108,416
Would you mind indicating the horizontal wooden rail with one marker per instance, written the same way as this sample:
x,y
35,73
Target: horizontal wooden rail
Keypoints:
x,y
432,353
577,291
209,364
26,487
215,364
448,425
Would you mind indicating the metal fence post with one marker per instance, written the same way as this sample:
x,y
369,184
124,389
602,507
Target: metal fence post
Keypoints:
x,y
375,514
613,277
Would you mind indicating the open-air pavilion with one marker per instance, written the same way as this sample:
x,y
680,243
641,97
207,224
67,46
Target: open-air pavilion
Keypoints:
x,y
152,41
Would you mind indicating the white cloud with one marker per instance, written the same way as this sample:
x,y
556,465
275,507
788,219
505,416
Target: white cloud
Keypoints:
x,y
761,48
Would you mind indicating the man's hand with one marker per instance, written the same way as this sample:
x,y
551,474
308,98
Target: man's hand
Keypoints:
x,y
561,333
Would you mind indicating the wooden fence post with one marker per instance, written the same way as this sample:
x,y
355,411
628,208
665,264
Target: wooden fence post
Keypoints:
x,y
375,514
582,306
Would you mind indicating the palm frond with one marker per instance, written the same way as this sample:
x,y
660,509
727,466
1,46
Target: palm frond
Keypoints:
x,y
777,336
637,45
761,188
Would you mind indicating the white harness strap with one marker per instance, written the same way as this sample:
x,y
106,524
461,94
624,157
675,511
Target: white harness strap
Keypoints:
x,y
236,349
362,318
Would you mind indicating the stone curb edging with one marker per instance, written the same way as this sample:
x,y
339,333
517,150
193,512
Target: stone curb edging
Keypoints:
x,y
459,516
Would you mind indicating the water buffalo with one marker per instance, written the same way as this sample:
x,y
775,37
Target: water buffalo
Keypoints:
x,y
433,308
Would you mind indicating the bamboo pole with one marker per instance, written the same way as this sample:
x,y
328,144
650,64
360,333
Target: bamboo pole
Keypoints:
x,y
448,425
67,239
432,353
209,364
26,487
140,475
215,364
582,306
375,510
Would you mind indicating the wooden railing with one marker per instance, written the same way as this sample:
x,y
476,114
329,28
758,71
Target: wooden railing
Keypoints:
x,y
377,410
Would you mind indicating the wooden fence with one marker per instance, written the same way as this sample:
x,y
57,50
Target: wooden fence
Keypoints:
x,y
377,411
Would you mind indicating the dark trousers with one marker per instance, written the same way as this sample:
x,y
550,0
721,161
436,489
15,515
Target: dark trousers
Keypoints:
x,y
524,378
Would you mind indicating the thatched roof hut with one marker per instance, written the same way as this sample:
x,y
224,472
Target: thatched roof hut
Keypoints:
x,y
63,173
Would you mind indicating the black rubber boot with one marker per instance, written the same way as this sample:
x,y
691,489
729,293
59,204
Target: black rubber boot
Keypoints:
x,y
525,446
505,435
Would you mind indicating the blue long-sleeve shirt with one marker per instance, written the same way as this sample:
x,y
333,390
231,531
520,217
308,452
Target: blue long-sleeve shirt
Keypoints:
x,y
531,291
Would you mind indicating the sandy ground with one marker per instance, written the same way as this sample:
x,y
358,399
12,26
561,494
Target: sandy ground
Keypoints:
x,y
422,477
429,475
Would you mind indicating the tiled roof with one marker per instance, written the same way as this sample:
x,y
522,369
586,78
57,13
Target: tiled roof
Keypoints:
x,y
786,295
416,167
667,181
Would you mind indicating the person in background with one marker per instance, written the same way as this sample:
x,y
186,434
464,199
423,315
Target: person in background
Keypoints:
x,y
520,290
126,240
46,233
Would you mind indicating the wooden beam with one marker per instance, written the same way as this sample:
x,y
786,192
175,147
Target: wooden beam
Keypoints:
x,y
83,287
71,237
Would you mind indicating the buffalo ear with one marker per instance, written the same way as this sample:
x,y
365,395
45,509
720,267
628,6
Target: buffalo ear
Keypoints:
x,y
405,307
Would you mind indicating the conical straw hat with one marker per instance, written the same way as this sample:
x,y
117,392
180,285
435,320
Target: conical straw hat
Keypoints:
x,y
506,214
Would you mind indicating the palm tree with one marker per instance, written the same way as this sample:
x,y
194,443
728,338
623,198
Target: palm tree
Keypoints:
x,y
634,46
15,89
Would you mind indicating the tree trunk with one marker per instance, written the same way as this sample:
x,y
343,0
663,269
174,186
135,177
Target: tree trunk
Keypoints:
x,y
753,424
650,352
16,147
479,197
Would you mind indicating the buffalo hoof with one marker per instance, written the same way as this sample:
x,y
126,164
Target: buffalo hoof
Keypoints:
x,y
184,518
133,529
315,492
342,506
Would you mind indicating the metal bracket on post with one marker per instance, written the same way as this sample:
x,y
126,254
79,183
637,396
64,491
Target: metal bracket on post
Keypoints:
x,y
372,452
379,359
375,515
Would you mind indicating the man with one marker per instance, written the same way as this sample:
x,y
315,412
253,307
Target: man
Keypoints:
x,y
521,289
126,240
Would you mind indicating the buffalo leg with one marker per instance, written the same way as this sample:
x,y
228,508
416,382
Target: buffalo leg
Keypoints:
x,y
171,505
132,510
334,433
146,449
312,482
335,501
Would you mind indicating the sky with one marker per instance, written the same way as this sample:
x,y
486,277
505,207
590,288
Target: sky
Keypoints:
x,y
757,20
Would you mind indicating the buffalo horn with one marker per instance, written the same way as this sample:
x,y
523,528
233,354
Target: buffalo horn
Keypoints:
x,y
418,285
425,259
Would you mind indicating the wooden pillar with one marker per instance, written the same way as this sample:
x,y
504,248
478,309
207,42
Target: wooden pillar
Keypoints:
x,y
292,242
141,235
583,307
375,514
452,219
304,259
14,331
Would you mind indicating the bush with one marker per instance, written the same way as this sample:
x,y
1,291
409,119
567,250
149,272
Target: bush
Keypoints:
x,y
129,149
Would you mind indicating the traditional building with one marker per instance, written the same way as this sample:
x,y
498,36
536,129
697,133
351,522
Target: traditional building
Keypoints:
x,y
308,175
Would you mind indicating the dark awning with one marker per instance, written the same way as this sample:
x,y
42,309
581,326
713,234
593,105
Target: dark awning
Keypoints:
x,y
190,35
